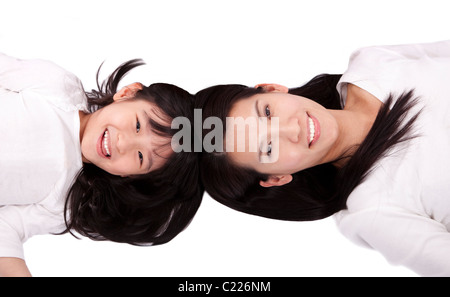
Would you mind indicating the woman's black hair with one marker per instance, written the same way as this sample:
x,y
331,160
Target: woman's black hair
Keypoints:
x,y
147,209
316,192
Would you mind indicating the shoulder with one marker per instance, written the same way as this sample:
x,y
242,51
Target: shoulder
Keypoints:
x,y
41,78
372,55
30,72
59,85
373,205
403,237
369,56
382,70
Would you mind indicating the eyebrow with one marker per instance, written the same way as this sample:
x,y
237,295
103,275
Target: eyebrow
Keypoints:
x,y
257,108
260,143
149,129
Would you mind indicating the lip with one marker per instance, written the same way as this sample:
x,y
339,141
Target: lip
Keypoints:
x,y
100,145
316,129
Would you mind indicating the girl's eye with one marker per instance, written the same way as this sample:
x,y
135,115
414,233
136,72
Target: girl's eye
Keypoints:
x,y
138,126
269,149
267,111
141,157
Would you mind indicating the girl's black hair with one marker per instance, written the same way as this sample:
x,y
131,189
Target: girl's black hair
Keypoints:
x,y
316,192
148,209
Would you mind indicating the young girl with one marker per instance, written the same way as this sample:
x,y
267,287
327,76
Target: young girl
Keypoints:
x,y
370,146
98,163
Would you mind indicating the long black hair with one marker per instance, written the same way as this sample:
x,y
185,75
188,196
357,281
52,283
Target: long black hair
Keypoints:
x,y
147,209
316,192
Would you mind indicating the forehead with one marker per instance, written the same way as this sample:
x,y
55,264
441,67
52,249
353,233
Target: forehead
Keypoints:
x,y
137,104
243,107
241,137
248,105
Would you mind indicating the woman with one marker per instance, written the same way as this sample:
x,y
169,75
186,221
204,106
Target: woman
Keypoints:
x,y
369,146
97,163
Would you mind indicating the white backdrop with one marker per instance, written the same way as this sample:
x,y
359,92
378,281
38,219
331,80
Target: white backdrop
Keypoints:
x,y
195,44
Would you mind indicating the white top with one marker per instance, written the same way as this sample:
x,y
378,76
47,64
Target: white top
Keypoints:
x,y
40,150
403,208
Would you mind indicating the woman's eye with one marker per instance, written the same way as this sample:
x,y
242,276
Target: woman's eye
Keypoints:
x,y
269,149
267,111
138,126
141,158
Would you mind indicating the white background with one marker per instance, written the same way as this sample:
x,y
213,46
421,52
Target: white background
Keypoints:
x,y
195,44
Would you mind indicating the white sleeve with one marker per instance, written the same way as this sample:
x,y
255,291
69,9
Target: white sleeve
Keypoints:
x,y
404,238
42,78
20,222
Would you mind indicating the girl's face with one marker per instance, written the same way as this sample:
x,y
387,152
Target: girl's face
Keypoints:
x,y
118,137
305,136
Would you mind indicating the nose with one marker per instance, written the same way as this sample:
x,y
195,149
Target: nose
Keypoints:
x,y
290,129
126,143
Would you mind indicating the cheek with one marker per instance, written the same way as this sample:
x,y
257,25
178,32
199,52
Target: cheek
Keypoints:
x,y
291,159
112,113
291,153
241,159
330,131
120,167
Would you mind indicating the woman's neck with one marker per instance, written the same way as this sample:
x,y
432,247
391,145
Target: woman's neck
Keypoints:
x,y
355,122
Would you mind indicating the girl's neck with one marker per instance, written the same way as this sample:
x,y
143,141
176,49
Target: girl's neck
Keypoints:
x,y
84,117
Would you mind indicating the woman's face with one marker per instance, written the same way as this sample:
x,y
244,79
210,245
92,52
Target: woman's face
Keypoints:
x,y
304,137
118,138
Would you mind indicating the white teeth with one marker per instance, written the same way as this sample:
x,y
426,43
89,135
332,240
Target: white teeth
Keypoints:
x,y
105,143
312,130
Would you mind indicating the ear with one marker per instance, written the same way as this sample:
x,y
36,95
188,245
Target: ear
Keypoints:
x,y
273,88
276,181
128,92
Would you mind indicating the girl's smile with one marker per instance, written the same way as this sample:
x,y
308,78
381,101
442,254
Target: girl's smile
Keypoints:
x,y
104,145
119,139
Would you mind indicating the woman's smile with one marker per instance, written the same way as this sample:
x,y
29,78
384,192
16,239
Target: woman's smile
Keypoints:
x,y
292,148
314,129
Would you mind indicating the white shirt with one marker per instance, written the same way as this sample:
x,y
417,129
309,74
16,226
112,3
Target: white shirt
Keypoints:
x,y
402,209
39,150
